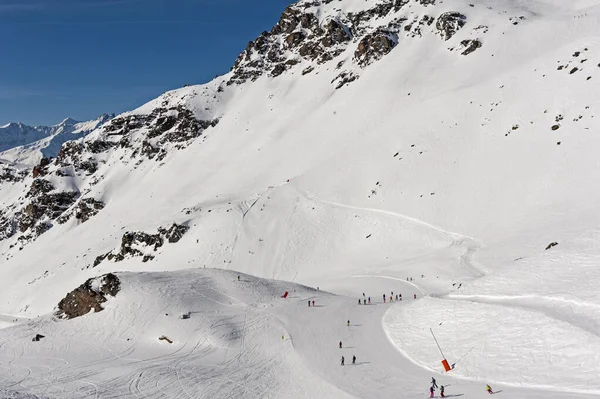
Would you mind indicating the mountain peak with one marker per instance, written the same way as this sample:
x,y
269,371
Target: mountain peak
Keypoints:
x,y
67,122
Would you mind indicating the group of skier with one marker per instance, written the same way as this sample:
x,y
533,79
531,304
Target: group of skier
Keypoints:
x,y
442,395
433,386
353,357
365,299
353,360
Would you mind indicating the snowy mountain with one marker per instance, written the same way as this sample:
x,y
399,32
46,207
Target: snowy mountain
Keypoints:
x,y
24,144
444,150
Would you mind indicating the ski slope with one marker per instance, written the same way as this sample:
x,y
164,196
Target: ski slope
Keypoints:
x,y
231,346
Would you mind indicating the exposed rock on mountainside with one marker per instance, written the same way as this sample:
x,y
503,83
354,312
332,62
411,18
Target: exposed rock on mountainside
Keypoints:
x,y
469,46
140,244
89,296
302,36
374,46
49,206
449,23
87,208
162,126
9,174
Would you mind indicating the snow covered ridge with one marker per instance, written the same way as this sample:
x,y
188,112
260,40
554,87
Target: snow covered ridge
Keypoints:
x,y
352,36
22,144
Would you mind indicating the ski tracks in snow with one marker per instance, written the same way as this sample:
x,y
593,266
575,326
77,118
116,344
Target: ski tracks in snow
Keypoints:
x,y
471,244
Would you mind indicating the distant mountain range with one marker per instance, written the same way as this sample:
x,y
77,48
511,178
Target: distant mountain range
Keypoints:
x,y
25,144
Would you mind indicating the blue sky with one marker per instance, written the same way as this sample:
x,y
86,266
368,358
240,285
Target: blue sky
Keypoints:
x,y
82,58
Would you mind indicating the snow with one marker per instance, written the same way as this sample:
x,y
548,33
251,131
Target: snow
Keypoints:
x,y
300,183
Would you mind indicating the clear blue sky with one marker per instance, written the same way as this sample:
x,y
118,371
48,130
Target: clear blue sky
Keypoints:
x,y
82,58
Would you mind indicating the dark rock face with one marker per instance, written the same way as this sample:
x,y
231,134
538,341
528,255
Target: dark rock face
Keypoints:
x,y
300,36
361,19
42,168
49,206
174,233
344,78
165,125
8,226
415,29
449,23
89,296
131,241
470,46
297,32
88,208
72,153
374,46
10,174
39,187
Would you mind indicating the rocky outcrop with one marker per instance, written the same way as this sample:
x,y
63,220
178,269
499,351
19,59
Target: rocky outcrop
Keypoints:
x,y
9,174
374,46
42,168
174,233
469,46
88,208
8,226
46,206
361,20
141,244
449,23
415,29
91,295
73,154
162,126
344,78
39,187
297,36
302,34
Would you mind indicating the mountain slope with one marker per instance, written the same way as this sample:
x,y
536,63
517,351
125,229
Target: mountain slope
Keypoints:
x,y
396,139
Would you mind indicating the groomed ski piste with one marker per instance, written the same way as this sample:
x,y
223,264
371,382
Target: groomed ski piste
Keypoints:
x,y
453,171
243,340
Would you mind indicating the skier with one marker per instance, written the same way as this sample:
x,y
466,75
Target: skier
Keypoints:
x,y
313,304
340,344
392,293
383,298
369,300
342,360
364,301
309,304
396,297
431,392
400,296
238,278
415,296
348,323
433,383
359,301
363,294
391,299
353,359
489,389
442,391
